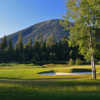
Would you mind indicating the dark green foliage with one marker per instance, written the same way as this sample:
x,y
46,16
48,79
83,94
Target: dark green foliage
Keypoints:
x,y
4,50
3,44
50,41
51,47
20,50
19,44
10,45
41,52
10,51
28,51
62,50
36,50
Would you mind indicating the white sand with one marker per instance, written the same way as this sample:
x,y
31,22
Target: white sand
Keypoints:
x,y
78,73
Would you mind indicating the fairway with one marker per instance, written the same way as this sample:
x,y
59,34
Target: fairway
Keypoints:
x,y
31,72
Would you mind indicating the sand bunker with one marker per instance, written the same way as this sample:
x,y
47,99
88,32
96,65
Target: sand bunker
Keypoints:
x,y
54,73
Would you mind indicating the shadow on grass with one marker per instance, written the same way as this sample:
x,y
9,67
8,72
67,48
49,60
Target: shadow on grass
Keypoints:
x,y
5,64
52,82
81,70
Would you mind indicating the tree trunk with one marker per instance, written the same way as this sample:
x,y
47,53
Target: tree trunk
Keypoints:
x,y
93,68
92,55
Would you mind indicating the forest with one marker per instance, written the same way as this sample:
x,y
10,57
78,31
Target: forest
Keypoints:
x,y
39,51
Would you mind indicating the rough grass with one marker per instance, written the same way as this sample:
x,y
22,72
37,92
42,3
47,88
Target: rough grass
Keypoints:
x,y
51,90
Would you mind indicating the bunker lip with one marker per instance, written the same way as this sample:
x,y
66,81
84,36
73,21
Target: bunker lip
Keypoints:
x,y
61,73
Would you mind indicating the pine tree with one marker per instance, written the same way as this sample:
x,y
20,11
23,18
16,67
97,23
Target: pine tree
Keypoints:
x,y
29,44
11,51
62,49
10,45
19,44
36,50
20,49
50,41
3,44
50,45
28,51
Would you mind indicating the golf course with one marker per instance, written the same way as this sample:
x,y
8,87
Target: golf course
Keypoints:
x,y
49,49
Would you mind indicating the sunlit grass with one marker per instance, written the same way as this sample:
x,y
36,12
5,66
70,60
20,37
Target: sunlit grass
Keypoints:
x,y
30,71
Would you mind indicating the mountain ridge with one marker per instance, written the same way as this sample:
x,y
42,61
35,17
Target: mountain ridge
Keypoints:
x,y
45,28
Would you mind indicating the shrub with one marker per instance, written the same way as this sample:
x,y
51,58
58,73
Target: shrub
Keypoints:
x,y
71,62
78,62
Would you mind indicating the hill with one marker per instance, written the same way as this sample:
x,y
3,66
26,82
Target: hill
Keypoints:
x,y
46,28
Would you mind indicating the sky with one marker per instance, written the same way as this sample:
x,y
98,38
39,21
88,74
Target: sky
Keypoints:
x,y
19,14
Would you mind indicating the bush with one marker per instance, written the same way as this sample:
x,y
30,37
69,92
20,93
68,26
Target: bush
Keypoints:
x,y
78,62
71,62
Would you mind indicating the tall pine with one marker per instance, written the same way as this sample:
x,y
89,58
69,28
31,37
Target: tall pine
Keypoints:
x,y
3,44
20,49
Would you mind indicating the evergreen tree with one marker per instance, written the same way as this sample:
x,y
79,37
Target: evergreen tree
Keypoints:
x,y
20,49
29,44
43,51
19,44
28,51
10,45
3,44
11,51
50,41
3,50
36,50
62,50
50,45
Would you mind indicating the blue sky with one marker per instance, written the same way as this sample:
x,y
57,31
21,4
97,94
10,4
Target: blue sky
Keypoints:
x,y
19,14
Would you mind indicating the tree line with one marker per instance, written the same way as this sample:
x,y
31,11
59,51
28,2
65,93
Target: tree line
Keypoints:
x,y
38,52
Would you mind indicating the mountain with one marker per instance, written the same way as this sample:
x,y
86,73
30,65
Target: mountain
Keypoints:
x,y
45,29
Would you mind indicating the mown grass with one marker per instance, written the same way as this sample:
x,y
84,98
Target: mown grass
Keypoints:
x,y
30,71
